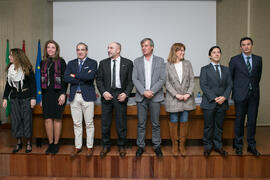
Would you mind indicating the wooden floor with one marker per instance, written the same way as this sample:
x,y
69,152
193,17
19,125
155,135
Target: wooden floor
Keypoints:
x,y
73,178
38,165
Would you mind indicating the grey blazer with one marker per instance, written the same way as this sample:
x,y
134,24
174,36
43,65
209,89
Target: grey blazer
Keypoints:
x,y
173,87
212,88
157,78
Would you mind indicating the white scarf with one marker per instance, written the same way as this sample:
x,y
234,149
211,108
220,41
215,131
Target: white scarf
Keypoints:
x,y
15,76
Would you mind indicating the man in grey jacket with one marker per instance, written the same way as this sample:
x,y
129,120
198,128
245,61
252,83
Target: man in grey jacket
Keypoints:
x,y
148,77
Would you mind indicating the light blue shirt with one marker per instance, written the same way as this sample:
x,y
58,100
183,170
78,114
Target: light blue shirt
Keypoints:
x,y
219,68
245,58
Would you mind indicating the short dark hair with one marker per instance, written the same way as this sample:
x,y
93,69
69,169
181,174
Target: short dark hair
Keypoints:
x,y
82,43
212,48
246,38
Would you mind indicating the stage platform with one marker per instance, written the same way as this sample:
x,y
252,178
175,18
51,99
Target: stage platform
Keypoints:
x,y
194,165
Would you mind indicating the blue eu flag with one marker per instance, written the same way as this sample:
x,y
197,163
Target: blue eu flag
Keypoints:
x,y
37,75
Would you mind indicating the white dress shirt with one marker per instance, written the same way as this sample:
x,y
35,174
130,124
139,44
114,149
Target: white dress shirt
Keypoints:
x,y
148,72
179,70
117,72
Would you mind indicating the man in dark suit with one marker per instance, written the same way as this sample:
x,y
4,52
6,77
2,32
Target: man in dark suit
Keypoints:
x,y
114,82
80,73
246,70
216,84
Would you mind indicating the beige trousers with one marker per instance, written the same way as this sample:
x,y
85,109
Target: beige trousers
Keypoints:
x,y
80,109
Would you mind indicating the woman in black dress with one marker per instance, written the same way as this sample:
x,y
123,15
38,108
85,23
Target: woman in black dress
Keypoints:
x,y
21,89
53,93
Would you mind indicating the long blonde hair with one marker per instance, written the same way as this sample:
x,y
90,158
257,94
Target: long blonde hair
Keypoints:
x,y
20,60
172,55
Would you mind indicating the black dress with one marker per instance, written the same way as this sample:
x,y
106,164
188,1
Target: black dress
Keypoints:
x,y
50,107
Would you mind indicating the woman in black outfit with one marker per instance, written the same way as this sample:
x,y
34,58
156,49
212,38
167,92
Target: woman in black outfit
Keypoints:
x,y
53,93
21,89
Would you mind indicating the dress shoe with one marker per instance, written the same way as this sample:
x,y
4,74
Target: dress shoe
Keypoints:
x,y
239,151
104,151
75,152
139,152
17,148
253,150
207,153
49,149
89,152
55,149
222,152
158,152
28,148
122,152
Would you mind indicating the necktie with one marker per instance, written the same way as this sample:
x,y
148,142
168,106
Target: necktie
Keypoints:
x,y
114,75
249,70
217,71
248,64
80,66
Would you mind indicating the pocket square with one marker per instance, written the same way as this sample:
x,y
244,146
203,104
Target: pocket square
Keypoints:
x,y
89,71
86,67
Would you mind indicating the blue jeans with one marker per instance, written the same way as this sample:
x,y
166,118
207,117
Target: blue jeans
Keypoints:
x,y
174,117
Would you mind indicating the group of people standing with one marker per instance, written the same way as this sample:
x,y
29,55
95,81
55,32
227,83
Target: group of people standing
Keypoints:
x,y
115,78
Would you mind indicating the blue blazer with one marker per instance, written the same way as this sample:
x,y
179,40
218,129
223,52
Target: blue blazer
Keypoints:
x,y
212,87
241,77
85,78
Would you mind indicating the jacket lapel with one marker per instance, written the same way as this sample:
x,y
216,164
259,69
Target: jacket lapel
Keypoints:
x,y
153,66
213,71
243,64
254,63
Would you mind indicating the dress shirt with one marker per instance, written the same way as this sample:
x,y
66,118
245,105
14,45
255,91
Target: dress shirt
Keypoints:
x,y
179,70
148,72
245,58
117,72
218,68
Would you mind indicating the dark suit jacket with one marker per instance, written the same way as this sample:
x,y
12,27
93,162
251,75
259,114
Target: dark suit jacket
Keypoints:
x,y
212,88
85,78
104,76
241,77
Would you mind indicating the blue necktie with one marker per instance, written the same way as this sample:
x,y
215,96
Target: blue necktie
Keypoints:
x,y
80,68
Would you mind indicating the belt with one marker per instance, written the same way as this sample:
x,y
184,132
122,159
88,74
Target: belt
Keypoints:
x,y
79,92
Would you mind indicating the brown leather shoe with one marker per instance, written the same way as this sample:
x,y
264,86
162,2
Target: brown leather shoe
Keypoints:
x,y
122,152
104,151
89,152
75,152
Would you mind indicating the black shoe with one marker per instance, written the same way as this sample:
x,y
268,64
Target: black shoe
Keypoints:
x,y
222,152
55,149
17,148
139,152
49,149
158,152
104,151
254,151
239,151
207,153
122,152
28,148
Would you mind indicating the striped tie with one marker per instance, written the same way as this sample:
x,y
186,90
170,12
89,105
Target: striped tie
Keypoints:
x,y
249,70
248,64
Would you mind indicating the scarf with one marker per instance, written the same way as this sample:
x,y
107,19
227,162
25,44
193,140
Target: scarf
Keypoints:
x,y
15,76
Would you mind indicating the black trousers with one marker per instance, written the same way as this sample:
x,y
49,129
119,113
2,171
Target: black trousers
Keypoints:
x,y
21,117
247,107
213,127
120,110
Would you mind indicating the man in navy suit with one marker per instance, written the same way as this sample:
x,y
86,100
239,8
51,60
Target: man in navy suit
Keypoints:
x,y
114,82
246,70
80,73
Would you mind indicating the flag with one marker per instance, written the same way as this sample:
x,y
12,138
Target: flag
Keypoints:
x,y
23,46
7,62
37,74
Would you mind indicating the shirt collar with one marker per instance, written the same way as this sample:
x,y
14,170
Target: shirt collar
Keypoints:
x,y
151,58
82,60
117,59
215,64
245,56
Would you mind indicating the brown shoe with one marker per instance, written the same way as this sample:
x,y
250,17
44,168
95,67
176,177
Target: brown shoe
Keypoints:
x,y
89,152
104,151
75,152
122,152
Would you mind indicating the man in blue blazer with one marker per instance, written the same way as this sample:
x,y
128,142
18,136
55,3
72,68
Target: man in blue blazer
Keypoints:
x,y
80,73
246,70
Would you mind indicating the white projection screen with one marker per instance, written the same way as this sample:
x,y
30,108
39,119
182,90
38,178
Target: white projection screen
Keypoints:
x,y
98,23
